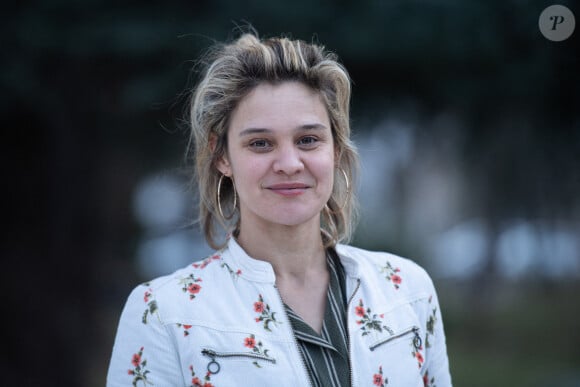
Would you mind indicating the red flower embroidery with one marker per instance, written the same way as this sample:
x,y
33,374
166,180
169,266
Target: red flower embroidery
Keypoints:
x,y
431,325
250,342
417,348
186,328
190,284
193,288
266,315
149,299
390,274
257,347
428,382
371,321
419,357
378,378
396,279
234,273
197,382
136,360
258,307
206,262
139,373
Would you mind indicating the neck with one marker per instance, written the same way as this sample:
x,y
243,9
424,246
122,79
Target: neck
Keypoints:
x,y
293,251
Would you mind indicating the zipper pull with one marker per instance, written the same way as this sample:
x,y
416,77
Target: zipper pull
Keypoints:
x,y
417,341
213,367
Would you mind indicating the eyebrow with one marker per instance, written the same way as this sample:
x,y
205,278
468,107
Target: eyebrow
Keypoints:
x,y
250,131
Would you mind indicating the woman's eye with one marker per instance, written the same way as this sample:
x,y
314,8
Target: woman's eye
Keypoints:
x,y
308,141
259,144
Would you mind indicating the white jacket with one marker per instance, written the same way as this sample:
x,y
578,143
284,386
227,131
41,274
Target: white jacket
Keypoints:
x,y
225,312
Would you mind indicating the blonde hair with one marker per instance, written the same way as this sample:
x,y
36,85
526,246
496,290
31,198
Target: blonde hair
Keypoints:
x,y
231,72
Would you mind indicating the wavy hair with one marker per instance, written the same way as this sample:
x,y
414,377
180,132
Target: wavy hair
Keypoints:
x,y
230,72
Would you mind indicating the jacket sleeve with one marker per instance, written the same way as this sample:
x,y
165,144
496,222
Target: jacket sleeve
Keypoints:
x,y
144,352
437,367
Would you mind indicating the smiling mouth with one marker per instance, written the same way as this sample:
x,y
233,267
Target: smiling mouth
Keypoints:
x,y
288,189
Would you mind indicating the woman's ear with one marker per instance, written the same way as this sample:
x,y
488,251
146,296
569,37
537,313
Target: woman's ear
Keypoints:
x,y
337,156
222,163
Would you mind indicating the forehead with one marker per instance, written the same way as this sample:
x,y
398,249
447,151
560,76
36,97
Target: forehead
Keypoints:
x,y
280,106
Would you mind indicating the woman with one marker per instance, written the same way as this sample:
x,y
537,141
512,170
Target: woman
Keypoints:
x,y
282,302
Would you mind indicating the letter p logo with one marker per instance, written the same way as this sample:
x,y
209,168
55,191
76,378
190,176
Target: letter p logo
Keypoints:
x,y
557,20
557,23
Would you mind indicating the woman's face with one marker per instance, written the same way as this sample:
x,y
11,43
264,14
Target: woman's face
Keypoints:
x,y
280,155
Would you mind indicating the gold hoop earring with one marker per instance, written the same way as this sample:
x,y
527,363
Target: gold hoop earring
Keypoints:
x,y
347,182
346,195
219,203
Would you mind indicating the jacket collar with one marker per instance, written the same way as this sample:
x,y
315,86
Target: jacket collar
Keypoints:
x,y
351,264
262,271
252,269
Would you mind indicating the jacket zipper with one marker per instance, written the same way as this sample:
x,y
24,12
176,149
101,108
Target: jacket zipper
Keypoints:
x,y
213,366
417,342
294,337
347,329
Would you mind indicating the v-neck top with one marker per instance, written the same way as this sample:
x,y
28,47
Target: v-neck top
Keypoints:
x,y
326,355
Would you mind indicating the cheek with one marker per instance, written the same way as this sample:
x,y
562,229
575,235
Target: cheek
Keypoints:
x,y
248,173
324,172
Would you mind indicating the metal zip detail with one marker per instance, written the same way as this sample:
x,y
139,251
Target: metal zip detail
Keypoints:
x,y
213,354
416,341
353,293
294,337
347,329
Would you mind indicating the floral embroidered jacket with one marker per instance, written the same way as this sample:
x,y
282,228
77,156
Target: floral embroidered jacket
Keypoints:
x,y
221,322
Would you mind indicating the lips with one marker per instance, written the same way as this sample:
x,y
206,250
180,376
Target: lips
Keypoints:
x,y
288,189
288,186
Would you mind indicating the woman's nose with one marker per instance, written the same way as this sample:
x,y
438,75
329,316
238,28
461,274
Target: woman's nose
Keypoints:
x,y
288,161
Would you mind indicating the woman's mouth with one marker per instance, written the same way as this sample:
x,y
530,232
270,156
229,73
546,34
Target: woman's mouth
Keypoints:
x,y
288,189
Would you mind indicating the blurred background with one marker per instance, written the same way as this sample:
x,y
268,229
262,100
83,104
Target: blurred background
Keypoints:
x,y
466,117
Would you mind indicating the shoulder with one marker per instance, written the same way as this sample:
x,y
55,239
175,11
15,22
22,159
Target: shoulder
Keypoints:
x,y
174,289
385,264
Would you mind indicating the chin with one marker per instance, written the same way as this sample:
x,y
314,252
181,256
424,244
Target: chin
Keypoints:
x,y
284,214
292,218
